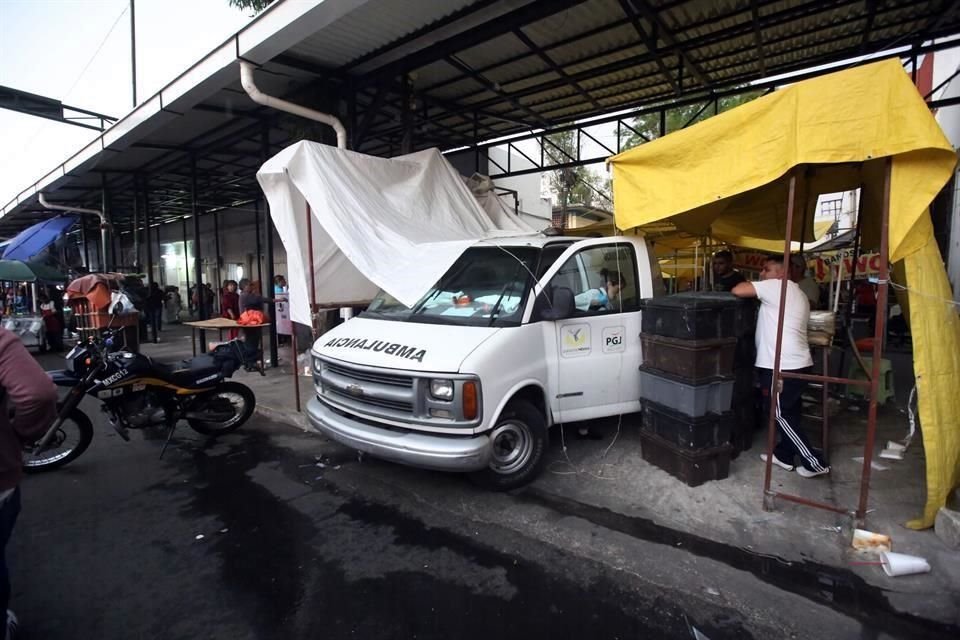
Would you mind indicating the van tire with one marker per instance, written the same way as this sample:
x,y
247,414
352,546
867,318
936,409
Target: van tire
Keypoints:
x,y
520,442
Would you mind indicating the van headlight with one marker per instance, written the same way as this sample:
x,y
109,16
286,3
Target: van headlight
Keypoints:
x,y
442,389
317,365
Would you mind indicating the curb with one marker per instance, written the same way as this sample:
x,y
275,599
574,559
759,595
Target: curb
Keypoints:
x,y
291,418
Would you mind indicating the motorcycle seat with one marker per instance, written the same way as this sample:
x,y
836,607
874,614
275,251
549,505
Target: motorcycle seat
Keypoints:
x,y
187,372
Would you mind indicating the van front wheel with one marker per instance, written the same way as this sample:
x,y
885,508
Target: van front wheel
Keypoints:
x,y
518,442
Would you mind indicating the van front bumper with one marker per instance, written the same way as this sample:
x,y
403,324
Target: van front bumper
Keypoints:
x,y
424,450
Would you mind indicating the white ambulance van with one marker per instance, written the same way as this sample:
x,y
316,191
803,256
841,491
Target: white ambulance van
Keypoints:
x,y
518,335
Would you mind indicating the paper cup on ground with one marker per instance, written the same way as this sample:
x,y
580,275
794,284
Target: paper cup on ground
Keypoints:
x,y
895,446
901,564
869,541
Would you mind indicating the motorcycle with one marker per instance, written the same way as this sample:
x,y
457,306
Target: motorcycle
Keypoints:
x,y
138,392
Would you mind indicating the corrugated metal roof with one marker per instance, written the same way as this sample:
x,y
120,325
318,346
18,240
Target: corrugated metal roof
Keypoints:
x,y
478,69
372,26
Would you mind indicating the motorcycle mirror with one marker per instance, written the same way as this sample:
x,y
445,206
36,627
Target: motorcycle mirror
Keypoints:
x,y
117,309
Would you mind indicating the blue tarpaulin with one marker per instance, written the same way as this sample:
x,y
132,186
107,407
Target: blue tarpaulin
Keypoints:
x,y
30,242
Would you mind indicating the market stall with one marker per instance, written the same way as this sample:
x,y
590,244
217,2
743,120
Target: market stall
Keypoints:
x,y
23,288
864,128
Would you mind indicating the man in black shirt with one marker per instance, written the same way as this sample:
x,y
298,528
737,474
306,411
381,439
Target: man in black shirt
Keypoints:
x,y
725,277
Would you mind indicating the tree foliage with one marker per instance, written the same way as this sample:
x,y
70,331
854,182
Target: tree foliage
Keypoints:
x,y
647,126
574,185
256,5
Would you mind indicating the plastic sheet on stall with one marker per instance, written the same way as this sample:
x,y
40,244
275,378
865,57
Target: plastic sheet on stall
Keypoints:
x,y
395,224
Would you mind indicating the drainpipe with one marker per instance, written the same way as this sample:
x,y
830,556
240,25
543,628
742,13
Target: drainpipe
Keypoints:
x,y
246,79
103,224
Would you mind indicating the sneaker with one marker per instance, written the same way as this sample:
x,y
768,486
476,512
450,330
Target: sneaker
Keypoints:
x,y
777,461
12,625
803,472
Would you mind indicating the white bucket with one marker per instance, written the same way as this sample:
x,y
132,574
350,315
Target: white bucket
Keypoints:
x,y
901,564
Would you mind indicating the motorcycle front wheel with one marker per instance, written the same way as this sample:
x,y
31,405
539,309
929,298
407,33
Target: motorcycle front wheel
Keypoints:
x,y
228,407
70,440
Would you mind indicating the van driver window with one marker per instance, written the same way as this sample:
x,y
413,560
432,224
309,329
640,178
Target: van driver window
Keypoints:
x,y
603,280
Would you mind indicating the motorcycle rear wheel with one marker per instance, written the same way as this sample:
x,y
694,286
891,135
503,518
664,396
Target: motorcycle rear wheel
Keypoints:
x,y
71,439
238,395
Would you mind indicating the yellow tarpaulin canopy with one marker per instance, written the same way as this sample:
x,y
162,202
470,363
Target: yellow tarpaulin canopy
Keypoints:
x,y
728,176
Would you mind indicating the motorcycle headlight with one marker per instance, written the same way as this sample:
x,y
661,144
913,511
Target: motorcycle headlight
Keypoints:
x,y
441,389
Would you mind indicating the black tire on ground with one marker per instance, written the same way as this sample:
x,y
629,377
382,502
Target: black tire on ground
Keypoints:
x,y
219,428
519,441
78,420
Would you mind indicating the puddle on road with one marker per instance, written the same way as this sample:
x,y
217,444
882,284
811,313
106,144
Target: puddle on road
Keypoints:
x,y
286,570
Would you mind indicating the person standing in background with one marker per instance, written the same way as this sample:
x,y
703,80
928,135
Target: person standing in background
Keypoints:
x,y
725,277
154,309
809,286
28,395
230,305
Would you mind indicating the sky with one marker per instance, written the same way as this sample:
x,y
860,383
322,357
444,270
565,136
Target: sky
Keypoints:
x,y
78,52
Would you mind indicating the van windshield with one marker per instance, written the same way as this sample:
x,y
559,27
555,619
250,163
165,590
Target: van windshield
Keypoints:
x,y
485,287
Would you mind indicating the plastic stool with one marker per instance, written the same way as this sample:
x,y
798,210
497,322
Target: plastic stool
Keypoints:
x,y
884,391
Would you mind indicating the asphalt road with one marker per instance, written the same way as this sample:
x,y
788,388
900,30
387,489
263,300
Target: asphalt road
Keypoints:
x,y
245,538
273,533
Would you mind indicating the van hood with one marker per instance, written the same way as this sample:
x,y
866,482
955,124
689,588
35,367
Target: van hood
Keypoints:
x,y
412,346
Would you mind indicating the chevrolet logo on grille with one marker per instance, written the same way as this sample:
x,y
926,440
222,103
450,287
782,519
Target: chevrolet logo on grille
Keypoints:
x,y
355,390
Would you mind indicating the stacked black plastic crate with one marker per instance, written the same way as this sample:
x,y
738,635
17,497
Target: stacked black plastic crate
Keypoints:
x,y
696,383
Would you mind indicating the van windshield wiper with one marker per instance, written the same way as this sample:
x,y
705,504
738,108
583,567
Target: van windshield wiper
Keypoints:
x,y
503,292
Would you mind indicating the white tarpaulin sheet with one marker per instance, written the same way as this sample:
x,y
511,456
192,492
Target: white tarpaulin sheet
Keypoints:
x,y
391,223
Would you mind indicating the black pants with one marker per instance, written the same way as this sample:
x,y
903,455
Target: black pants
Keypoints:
x,y
155,320
789,407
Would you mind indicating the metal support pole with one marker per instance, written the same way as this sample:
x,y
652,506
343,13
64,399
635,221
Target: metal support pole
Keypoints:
x,y
83,239
216,240
105,207
294,366
264,153
406,115
256,223
776,381
161,274
913,65
878,335
856,254
314,318
186,262
136,224
197,254
146,229
803,219
133,50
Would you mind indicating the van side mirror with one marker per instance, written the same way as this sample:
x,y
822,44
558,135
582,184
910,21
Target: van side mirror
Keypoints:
x,y
563,305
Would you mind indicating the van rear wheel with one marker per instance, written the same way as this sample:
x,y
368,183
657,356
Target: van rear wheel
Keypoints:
x,y
518,443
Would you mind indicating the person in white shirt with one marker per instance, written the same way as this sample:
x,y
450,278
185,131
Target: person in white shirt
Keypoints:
x,y
794,356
